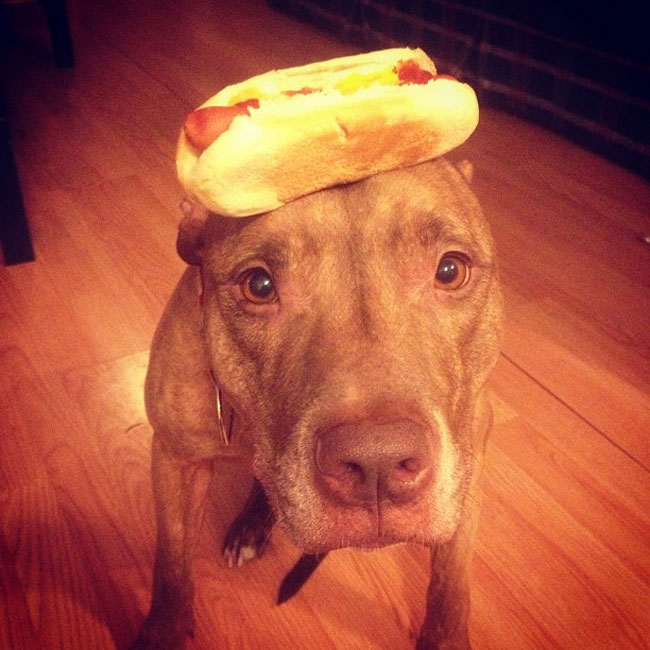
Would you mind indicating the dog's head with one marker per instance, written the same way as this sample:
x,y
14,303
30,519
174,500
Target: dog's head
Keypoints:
x,y
352,331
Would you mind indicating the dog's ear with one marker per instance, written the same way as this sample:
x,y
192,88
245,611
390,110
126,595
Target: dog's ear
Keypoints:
x,y
190,241
466,168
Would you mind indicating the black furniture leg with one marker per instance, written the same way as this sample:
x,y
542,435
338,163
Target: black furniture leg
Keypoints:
x,y
57,20
14,231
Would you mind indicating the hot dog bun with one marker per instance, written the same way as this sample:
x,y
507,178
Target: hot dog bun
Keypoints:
x,y
293,146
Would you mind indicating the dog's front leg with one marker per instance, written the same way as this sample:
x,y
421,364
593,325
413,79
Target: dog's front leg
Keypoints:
x,y
180,487
447,609
446,620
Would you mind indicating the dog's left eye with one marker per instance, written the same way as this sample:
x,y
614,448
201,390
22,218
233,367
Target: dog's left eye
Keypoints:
x,y
257,287
453,272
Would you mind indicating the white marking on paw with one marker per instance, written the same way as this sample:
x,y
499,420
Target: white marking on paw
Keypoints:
x,y
246,553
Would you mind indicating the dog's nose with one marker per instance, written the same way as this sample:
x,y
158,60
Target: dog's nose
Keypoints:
x,y
367,463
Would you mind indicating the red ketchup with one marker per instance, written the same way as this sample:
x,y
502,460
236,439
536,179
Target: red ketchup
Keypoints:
x,y
204,125
303,91
409,72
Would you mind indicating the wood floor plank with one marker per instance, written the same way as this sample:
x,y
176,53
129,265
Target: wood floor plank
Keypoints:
x,y
20,634
573,514
62,604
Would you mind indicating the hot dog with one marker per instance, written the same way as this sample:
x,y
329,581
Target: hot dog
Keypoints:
x,y
275,137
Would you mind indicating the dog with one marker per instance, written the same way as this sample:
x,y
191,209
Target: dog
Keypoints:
x,y
347,337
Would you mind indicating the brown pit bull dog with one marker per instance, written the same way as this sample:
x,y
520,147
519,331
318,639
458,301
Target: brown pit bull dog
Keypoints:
x,y
350,333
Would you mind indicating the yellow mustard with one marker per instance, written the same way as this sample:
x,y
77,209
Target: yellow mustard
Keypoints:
x,y
354,81
247,93
346,86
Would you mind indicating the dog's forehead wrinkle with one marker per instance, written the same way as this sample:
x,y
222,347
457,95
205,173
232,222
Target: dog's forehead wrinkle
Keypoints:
x,y
302,229
273,251
439,228
395,214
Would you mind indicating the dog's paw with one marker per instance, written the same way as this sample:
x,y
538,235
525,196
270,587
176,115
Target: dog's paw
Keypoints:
x,y
163,635
426,643
246,540
249,534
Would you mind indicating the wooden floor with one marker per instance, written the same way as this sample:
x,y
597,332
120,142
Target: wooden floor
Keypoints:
x,y
563,555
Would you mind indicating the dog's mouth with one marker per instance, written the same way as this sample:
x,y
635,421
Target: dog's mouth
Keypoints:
x,y
335,527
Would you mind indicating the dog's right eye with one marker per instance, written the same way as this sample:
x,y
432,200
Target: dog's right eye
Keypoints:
x,y
453,272
257,287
